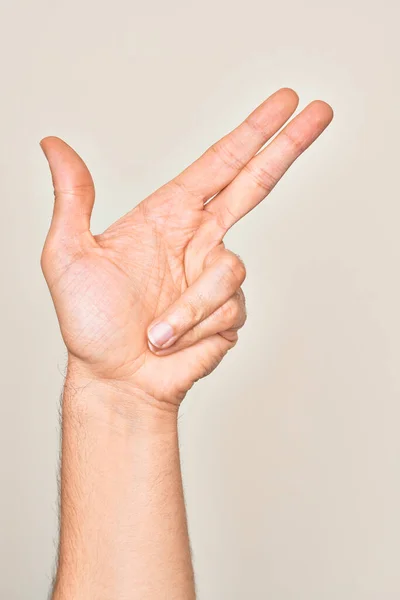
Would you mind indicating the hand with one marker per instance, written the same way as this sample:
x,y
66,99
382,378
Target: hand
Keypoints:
x,y
155,301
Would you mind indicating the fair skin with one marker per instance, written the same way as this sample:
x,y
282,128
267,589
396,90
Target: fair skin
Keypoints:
x,y
146,309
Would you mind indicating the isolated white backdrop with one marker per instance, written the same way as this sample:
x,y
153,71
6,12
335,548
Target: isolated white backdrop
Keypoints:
x,y
290,449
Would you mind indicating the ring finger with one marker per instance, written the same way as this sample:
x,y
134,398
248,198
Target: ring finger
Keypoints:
x,y
225,320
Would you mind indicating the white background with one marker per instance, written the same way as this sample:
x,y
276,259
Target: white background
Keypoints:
x,y
291,448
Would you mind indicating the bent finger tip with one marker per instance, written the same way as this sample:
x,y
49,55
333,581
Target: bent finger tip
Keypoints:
x,y
160,334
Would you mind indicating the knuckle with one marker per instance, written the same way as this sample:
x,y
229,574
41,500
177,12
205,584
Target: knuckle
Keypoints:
x,y
234,266
296,143
230,312
241,269
231,335
262,177
194,309
179,185
78,190
256,125
228,153
241,315
225,217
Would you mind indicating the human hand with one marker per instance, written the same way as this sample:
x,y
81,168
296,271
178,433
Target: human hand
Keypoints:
x,y
162,269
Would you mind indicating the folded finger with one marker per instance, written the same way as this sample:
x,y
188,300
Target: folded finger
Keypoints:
x,y
216,284
225,320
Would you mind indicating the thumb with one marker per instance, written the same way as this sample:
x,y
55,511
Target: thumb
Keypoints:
x,y
73,187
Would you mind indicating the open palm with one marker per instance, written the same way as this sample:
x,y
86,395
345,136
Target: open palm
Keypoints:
x,y
155,301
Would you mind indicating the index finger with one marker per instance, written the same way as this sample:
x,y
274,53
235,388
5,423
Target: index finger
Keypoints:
x,y
220,164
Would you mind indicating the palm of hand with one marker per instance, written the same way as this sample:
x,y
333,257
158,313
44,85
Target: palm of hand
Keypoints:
x,y
125,278
108,288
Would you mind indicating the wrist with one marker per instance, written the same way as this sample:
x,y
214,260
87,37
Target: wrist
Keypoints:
x,y
120,404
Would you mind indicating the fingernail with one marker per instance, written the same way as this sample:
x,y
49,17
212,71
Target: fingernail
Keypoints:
x,y
160,334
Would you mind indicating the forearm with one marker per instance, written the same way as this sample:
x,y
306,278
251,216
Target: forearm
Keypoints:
x,y
123,523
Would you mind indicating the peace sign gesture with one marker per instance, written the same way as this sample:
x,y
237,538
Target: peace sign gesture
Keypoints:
x,y
154,302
